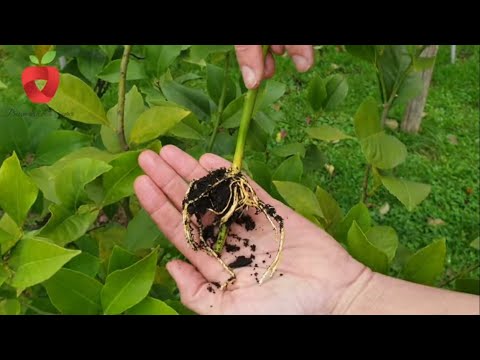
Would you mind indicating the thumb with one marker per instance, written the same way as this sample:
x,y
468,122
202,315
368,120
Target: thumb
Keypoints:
x,y
250,59
195,291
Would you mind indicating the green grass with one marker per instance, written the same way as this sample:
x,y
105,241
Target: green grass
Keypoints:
x,y
452,109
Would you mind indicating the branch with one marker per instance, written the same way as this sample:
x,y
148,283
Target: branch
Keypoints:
x,y
121,96
365,183
459,274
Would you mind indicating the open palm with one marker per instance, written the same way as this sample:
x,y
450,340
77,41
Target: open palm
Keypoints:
x,y
314,271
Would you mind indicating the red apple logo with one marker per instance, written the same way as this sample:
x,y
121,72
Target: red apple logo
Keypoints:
x,y
41,72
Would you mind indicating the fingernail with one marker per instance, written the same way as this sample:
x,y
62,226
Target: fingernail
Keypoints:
x,y
301,63
249,77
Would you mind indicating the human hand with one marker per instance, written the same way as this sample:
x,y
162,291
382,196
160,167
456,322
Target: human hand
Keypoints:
x,y
254,69
314,274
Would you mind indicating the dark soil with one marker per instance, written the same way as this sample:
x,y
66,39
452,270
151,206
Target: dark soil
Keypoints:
x,y
247,221
231,248
240,261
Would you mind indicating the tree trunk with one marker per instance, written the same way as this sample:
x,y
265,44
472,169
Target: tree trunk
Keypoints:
x,y
414,111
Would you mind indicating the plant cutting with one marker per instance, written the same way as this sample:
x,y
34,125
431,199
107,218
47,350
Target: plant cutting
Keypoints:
x,y
227,194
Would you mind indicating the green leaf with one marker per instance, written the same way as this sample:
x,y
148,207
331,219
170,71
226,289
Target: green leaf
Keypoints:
x,y
159,57
107,238
401,257
270,94
314,158
467,285
85,263
70,184
411,87
35,260
423,63
19,192
316,93
10,233
23,126
265,122
392,63
359,214
45,177
330,208
199,52
48,57
88,244
111,72
256,138
290,169
364,251
337,90
126,288
77,101
74,293
90,62
34,59
383,151
182,79
232,113
408,192
427,264
3,86
9,307
109,50
4,275
134,107
64,226
289,150
364,52
299,197
143,233
385,239
260,174
59,143
476,243
155,122
327,133
192,99
215,81
151,306
188,128
367,119
118,182
120,259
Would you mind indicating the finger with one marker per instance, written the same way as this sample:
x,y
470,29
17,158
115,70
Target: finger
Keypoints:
x,y
185,165
250,59
278,49
302,56
166,178
193,287
212,161
170,222
269,66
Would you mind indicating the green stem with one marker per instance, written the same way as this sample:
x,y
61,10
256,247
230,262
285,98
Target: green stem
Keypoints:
x,y
365,183
221,103
248,106
121,96
461,273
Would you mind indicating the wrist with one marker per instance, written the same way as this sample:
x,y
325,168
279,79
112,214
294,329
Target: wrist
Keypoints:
x,y
356,294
